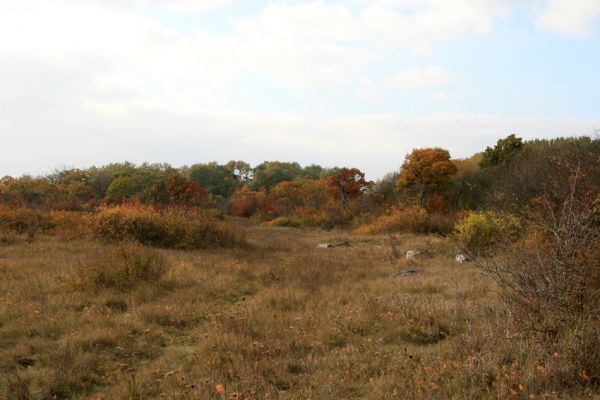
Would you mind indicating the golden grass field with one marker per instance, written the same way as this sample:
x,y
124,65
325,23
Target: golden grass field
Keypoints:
x,y
277,318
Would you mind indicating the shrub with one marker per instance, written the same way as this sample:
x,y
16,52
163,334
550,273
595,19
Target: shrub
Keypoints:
x,y
411,219
302,217
70,224
482,233
550,280
307,216
121,267
174,228
284,222
23,221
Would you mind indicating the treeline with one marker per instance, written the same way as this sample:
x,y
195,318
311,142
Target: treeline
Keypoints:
x,y
514,175
209,184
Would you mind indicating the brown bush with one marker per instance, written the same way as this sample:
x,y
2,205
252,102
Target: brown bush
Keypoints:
x,y
71,224
174,228
23,221
411,219
550,281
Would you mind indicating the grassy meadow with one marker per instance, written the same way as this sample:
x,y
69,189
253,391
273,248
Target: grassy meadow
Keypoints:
x,y
274,318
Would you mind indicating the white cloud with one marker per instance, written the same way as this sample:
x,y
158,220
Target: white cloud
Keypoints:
x,y
94,81
439,97
110,53
418,77
374,143
577,17
178,5
429,22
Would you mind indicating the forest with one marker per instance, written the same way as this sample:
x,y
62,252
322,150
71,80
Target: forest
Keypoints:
x,y
181,282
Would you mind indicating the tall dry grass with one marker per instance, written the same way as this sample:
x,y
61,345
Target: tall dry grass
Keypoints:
x,y
276,319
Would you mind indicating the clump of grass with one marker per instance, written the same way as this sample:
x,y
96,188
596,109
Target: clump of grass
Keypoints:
x,y
430,332
74,372
175,228
122,267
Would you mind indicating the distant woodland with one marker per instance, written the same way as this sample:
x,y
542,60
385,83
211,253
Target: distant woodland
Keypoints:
x,y
514,176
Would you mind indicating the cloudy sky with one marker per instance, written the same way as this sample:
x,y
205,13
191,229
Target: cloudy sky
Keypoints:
x,y
348,82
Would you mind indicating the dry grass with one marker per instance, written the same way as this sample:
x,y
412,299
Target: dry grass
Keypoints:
x,y
277,319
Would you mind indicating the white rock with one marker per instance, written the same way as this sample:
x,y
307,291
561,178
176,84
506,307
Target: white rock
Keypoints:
x,y
412,254
324,246
462,258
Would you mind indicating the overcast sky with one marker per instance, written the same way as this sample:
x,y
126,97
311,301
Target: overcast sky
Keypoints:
x,y
347,83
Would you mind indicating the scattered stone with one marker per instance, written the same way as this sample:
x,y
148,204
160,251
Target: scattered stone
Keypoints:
x,y
462,258
408,272
330,245
412,254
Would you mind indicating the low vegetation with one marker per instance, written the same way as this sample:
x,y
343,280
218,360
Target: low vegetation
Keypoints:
x,y
123,267
278,318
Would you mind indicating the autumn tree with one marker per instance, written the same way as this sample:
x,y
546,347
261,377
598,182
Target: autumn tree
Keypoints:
x,y
28,191
428,171
347,185
184,192
305,193
246,202
469,185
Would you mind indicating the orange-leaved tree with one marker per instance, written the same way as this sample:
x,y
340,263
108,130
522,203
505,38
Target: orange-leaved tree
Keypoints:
x,y
305,193
184,192
428,171
346,185
245,202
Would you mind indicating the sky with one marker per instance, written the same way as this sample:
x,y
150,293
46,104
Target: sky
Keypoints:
x,y
355,83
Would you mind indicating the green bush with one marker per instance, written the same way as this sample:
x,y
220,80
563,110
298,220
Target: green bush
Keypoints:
x,y
121,267
482,233
179,229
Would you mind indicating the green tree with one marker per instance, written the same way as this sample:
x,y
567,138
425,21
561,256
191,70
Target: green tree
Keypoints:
x,y
215,178
241,170
122,187
504,151
270,173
